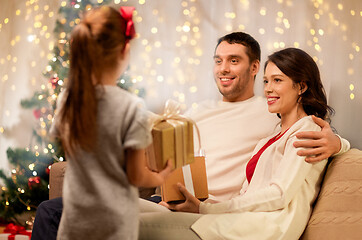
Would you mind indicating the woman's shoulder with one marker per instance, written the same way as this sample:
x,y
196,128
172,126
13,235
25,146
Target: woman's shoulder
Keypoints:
x,y
305,124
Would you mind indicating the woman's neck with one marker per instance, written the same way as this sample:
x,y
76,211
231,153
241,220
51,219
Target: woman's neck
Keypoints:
x,y
288,119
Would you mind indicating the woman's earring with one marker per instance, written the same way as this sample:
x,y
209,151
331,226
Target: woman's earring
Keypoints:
x,y
299,98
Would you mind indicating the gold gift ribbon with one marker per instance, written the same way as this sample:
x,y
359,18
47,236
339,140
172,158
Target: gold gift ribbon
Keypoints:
x,y
180,146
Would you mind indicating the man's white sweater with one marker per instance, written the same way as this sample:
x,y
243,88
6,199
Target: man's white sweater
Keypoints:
x,y
229,133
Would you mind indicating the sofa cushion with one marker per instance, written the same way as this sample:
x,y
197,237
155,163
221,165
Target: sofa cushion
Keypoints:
x,y
56,177
338,210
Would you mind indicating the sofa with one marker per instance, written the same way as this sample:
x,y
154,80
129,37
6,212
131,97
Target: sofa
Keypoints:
x,y
337,213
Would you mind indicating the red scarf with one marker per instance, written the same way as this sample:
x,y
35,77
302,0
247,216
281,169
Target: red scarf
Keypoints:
x,y
250,168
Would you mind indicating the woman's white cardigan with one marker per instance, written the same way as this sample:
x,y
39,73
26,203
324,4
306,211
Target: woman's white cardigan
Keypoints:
x,y
277,202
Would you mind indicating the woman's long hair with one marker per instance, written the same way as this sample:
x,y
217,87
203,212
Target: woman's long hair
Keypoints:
x,y
301,68
94,48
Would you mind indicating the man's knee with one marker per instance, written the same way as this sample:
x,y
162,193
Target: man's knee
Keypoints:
x,y
50,207
47,219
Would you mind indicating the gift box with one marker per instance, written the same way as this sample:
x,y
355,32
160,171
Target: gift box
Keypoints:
x,y
173,139
192,176
14,232
8,236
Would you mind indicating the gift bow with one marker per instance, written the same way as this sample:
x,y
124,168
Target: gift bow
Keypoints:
x,y
127,13
172,112
14,229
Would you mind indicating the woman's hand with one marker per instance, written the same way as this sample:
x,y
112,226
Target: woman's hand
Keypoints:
x,y
190,205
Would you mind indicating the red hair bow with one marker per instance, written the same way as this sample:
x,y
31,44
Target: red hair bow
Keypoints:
x,y
126,13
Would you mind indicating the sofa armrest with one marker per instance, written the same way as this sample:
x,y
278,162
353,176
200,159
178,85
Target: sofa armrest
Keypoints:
x,y
338,210
56,177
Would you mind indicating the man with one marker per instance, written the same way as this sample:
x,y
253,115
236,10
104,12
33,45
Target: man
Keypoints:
x,y
231,128
229,132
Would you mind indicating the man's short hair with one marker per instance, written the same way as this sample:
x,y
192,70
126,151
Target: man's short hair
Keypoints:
x,y
253,47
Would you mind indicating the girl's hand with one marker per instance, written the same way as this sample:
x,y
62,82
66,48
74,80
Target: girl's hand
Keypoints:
x,y
167,170
190,205
139,174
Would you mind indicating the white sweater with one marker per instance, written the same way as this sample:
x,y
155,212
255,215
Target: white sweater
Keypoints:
x,y
229,133
277,202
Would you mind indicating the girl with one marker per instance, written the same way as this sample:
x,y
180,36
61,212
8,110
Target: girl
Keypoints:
x,y
275,201
104,132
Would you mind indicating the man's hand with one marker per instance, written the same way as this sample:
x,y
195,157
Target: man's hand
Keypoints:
x,y
190,205
320,145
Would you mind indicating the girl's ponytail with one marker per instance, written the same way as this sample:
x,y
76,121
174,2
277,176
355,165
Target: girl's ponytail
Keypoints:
x,y
78,124
95,48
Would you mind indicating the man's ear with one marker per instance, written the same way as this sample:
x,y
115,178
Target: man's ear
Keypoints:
x,y
254,68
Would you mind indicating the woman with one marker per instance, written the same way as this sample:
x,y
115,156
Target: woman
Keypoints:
x,y
275,201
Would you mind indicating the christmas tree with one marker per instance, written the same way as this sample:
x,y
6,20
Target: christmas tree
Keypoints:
x,y
28,184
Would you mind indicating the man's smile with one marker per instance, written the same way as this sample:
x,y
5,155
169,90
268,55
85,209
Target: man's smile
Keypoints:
x,y
226,81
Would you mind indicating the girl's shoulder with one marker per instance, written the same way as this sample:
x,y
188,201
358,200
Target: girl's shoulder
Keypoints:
x,y
117,94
